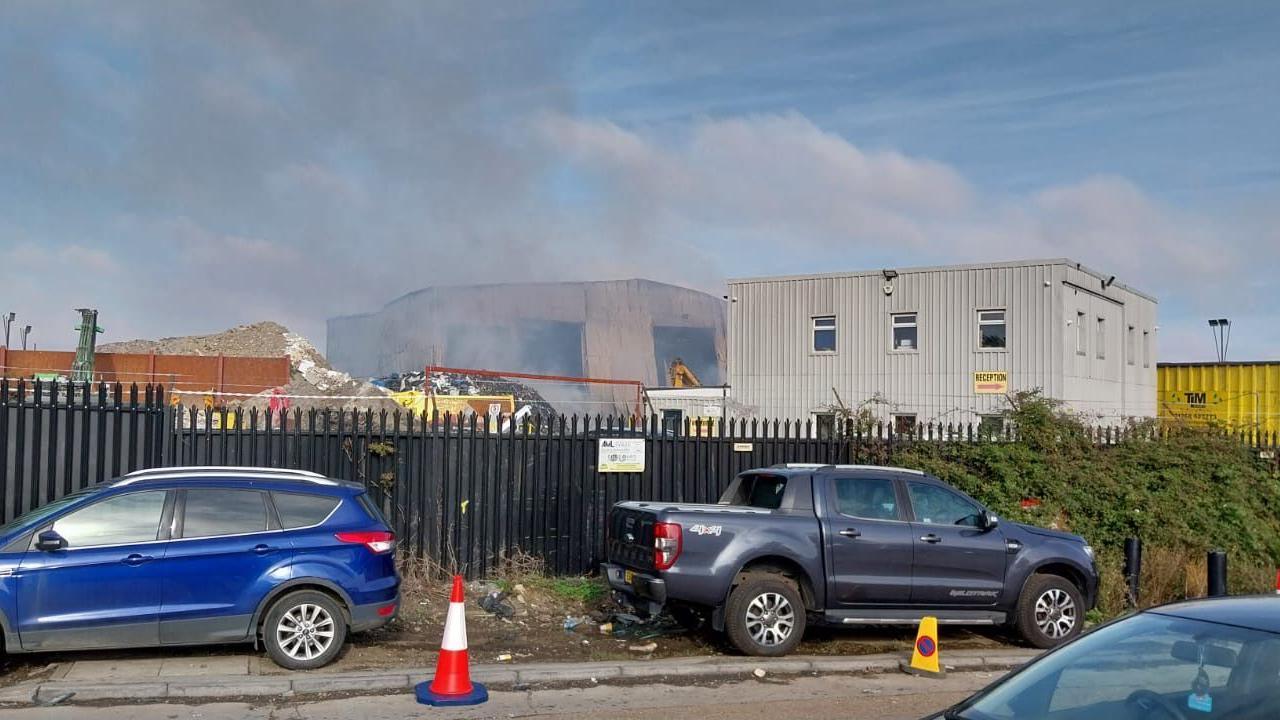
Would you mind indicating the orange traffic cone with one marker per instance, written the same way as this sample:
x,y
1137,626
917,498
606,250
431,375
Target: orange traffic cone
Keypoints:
x,y
452,684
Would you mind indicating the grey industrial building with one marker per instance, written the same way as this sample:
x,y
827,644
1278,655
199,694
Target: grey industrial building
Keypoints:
x,y
941,344
624,330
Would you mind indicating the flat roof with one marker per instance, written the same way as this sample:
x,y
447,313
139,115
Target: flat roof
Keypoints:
x,y
943,268
1215,363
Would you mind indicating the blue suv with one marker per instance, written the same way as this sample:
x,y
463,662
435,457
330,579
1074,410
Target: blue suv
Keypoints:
x,y
189,556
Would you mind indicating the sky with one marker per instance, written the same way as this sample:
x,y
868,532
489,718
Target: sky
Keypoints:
x,y
185,167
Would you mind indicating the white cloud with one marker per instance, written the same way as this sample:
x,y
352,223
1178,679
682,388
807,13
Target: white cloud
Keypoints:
x,y
780,181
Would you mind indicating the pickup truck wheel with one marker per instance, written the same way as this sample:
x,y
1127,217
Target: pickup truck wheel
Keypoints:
x,y
765,615
1050,611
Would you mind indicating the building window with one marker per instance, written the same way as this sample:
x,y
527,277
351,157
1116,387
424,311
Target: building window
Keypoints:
x,y
990,426
1081,339
824,334
1129,350
991,329
1101,339
904,332
826,425
1146,349
904,424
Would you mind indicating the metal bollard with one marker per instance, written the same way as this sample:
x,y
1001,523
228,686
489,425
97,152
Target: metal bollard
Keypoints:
x,y
1132,570
1217,573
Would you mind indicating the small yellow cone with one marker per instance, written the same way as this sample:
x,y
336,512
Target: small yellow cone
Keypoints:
x,y
924,656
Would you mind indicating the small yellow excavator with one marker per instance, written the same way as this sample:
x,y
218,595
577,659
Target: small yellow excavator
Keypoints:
x,y
679,375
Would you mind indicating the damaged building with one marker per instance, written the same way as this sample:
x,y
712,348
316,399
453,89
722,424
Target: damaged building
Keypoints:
x,y
625,329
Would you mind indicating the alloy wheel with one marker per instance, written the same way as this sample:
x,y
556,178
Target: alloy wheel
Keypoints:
x,y
1055,613
770,619
305,632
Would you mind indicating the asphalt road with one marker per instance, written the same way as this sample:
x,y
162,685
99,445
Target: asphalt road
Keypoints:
x,y
842,697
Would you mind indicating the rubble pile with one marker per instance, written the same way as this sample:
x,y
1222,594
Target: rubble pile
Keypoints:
x,y
312,380
261,339
445,383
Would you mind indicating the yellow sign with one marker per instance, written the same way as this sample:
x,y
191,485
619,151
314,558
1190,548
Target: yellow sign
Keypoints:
x,y
415,400
704,426
991,382
924,656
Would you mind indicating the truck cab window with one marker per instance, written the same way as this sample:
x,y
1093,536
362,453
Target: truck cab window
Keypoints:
x,y
757,490
871,498
939,506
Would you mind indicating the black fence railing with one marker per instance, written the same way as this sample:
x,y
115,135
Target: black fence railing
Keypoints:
x,y
460,490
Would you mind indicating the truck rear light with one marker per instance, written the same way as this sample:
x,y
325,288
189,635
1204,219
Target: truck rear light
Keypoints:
x,y
666,545
379,542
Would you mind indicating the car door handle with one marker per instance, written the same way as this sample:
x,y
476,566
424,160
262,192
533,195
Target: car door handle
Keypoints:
x,y
851,533
263,549
136,559
931,539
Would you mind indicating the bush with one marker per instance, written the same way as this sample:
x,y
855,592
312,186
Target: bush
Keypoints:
x,y
1182,492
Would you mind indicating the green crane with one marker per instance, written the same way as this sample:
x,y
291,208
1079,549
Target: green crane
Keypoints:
x,y
82,368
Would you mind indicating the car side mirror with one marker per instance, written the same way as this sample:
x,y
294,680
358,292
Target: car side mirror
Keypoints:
x,y
48,541
990,521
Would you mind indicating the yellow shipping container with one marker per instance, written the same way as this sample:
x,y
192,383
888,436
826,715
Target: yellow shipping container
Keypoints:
x,y
1238,395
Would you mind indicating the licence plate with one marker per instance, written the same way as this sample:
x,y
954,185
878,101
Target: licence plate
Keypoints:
x,y
628,576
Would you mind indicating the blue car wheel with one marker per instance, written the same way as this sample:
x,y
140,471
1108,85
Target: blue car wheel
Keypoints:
x,y
304,630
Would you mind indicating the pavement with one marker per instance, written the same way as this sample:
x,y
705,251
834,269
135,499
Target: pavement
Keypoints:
x,y
890,696
136,680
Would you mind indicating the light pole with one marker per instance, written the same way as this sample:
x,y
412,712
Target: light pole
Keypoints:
x,y
1221,328
8,319
25,332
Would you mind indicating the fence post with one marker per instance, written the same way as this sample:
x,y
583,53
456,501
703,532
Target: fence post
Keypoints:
x,y
1217,573
1132,570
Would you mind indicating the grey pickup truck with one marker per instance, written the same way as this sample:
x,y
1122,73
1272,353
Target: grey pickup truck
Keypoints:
x,y
847,545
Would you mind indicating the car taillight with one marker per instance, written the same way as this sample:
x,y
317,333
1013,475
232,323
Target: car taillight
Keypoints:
x,y
378,542
666,545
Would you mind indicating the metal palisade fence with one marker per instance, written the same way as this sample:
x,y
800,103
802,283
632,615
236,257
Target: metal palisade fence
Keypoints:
x,y
463,491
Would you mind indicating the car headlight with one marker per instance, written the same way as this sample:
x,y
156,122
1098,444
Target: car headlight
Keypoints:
x,y
1088,550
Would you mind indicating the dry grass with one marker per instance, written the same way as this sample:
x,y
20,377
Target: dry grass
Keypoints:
x,y
1171,574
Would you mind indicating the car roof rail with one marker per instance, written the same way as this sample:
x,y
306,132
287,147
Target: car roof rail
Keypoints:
x,y
799,466
169,473
889,468
824,466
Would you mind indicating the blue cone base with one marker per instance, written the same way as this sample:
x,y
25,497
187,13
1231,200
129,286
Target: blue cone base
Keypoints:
x,y
478,694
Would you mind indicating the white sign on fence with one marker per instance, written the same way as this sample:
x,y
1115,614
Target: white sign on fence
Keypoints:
x,y
621,455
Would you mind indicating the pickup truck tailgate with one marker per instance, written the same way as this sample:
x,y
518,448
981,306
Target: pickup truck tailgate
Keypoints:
x,y
631,538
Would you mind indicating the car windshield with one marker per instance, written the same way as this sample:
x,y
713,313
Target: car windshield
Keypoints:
x,y
1149,666
33,517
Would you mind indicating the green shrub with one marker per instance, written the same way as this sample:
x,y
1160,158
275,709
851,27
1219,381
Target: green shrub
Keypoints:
x,y
1182,492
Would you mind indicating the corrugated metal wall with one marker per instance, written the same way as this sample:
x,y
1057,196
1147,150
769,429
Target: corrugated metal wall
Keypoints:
x,y
1242,396
479,326
773,368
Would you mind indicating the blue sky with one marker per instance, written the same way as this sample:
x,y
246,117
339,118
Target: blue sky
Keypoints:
x,y
202,165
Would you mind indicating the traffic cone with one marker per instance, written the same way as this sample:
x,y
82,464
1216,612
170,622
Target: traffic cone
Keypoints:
x,y
924,656
452,684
